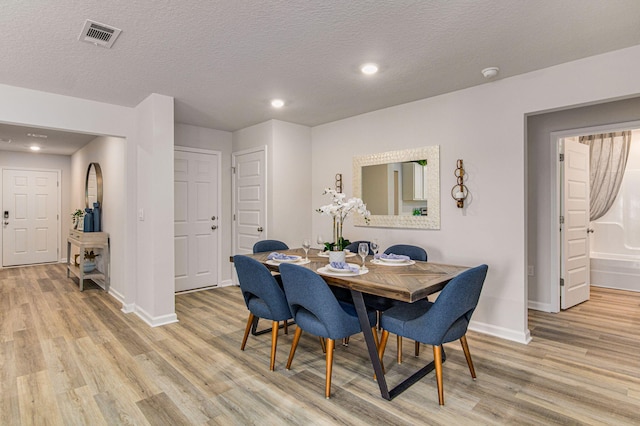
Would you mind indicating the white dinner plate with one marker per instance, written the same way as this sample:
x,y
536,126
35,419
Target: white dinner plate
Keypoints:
x,y
342,271
300,262
292,260
325,271
403,263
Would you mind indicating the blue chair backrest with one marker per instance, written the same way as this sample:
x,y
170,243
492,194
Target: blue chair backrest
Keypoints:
x,y
314,307
448,318
353,247
269,245
414,252
257,282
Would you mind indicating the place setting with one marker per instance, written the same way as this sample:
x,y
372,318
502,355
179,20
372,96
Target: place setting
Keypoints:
x,y
275,258
348,269
390,259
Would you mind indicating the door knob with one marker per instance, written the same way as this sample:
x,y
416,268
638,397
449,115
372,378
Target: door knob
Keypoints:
x,y
6,223
260,229
214,227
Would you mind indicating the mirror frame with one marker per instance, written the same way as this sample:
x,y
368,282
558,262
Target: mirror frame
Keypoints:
x,y
98,183
432,155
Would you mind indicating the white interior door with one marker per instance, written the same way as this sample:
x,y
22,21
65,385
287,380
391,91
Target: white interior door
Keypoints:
x,y
249,196
196,221
575,239
30,217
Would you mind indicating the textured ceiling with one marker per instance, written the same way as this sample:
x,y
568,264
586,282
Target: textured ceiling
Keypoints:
x,y
223,61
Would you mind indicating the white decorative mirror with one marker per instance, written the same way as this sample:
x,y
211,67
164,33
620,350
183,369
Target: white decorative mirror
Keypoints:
x,y
401,188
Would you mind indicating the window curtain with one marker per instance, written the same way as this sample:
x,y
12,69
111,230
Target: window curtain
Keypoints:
x,y
608,159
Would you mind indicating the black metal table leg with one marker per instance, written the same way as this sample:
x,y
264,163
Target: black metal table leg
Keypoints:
x,y
361,309
254,327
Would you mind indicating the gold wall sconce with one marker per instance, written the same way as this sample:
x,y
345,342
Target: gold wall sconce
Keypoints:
x,y
339,182
459,192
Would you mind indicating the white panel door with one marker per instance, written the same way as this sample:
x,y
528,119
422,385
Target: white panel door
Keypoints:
x,y
196,219
575,240
30,217
249,197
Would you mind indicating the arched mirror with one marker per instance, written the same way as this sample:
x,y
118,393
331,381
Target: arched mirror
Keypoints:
x,y
93,186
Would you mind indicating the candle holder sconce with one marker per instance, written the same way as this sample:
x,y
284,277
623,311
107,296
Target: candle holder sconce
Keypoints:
x,y
459,192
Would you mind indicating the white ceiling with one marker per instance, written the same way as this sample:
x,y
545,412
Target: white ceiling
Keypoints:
x,y
223,61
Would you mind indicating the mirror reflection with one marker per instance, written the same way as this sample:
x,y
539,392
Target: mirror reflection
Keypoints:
x,y
401,188
93,185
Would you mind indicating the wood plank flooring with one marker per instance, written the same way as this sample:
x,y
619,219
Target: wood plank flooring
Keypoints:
x,y
70,358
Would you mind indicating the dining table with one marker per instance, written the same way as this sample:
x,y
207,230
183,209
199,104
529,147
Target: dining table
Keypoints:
x,y
405,281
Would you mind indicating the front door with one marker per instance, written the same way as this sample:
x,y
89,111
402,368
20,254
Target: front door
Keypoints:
x,y
30,217
575,241
249,196
196,219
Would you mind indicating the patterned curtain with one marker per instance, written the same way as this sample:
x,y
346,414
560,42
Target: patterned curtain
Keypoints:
x,y
608,159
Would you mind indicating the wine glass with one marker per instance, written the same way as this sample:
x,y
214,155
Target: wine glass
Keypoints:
x,y
306,245
363,251
320,241
374,246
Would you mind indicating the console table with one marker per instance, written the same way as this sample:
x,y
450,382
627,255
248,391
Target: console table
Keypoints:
x,y
98,241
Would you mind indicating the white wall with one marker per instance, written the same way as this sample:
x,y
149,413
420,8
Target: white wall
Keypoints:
x,y
484,126
216,140
110,153
540,164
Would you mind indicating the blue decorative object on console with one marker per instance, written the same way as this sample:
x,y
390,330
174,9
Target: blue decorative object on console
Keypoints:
x,y
88,220
96,217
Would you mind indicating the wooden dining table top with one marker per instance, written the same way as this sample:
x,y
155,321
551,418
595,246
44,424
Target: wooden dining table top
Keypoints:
x,y
407,283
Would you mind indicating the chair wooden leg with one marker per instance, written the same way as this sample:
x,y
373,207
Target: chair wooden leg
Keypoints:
x,y
383,344
294,345
327,388
399,340
246,331
417,348
275,325
467,354
437,360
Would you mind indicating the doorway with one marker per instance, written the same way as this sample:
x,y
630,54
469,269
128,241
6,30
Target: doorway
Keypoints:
x,y
559,250
196,218
31,216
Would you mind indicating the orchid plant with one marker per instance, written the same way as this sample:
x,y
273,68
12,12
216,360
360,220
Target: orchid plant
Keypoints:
x,y
339,210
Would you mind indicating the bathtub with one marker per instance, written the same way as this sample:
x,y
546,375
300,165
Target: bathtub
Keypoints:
x,y
613,264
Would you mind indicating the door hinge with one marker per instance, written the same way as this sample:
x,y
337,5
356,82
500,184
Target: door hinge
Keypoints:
x,y
561,282
233,170
234,216
561,157
561,220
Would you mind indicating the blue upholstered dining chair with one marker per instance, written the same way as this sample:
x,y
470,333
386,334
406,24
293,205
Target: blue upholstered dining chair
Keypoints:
x,y
264,299
442,321
317,311
269,245
414,253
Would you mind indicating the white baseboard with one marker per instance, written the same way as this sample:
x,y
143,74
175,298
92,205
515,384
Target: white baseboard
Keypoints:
x,y
155,321
226,283
501,332
539,306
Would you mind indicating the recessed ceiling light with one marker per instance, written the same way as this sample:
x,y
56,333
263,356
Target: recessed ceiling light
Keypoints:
x,y
34,148
277,103
490,72
369,69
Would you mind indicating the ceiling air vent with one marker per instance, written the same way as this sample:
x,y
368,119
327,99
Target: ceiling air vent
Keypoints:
x,y
99,34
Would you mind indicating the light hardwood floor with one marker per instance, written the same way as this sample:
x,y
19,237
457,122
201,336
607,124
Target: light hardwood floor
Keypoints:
x,y
70,358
